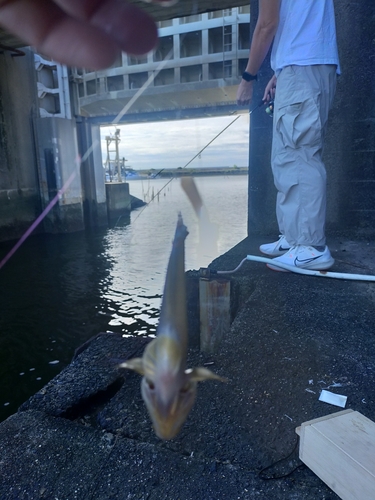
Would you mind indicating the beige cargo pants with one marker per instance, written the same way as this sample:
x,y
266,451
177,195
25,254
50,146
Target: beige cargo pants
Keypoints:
x,y
304,96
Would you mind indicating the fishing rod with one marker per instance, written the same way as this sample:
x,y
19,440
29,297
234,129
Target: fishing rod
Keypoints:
x,y
206,146
269,108
269,111
186,164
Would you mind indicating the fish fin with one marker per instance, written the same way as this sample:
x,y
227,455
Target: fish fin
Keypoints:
x,y
135,364
199,374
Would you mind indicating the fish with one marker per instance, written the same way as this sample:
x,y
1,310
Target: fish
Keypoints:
x,y
168,388
208,232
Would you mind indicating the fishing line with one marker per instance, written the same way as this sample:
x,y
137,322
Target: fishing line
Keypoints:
x,y
73,175
186,164
79,162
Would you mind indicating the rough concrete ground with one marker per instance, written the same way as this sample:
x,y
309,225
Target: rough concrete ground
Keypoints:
x,y
86,434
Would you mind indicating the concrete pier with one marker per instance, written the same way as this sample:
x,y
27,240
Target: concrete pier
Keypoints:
x,y
118,199
87,434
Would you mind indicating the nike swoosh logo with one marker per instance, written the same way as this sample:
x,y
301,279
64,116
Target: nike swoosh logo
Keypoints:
x,y
282,249
305,261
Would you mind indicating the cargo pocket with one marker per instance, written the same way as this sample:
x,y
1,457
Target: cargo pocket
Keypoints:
x,y
299,125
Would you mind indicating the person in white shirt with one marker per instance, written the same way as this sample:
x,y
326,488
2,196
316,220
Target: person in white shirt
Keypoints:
x,y
305,62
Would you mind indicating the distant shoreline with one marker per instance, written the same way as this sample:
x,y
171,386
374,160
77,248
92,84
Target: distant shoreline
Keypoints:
x,y
181,172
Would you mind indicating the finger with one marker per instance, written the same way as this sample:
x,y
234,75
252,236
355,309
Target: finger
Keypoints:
x,y
45,26
71,41
81,9
133,29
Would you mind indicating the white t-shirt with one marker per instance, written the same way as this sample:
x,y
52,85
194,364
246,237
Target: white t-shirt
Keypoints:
x,y
306,35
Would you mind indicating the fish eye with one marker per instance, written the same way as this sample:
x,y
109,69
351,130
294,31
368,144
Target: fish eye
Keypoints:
x,y
150,384
185,388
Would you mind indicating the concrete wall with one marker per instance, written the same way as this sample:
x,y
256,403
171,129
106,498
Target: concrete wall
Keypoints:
x,y
350,152
350,144
37,156
19,197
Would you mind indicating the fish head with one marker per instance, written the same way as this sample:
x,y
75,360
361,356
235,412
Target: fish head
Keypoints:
x,y
168,406
167,390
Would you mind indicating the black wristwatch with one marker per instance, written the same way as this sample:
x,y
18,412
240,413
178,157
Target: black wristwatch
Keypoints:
x,y
248,77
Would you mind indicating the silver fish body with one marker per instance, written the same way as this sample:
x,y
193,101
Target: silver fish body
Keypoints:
x,y
168,388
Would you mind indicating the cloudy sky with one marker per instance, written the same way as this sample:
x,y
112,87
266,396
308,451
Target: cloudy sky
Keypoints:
x,y
172,144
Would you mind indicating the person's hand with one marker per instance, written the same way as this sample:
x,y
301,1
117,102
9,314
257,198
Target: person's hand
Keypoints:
x,y
270,90
82,33
245,92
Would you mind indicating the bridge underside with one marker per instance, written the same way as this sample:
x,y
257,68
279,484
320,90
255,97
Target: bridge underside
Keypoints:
x,y
168,115
166,103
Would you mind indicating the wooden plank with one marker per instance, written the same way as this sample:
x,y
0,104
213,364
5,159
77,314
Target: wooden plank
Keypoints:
x,y
315,421
340,449
214,303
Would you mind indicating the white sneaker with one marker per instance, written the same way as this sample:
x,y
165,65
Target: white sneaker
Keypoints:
x,y
306,258
276,248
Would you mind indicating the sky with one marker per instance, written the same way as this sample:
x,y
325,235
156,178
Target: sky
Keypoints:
x,y
172,144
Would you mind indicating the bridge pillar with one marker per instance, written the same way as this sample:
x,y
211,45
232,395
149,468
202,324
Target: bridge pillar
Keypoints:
x,y
262,193
92,174
58,165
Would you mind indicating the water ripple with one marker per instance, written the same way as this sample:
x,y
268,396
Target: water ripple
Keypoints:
x,y
58,291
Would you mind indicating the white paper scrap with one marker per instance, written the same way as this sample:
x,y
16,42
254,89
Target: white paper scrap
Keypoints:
x,y
333,399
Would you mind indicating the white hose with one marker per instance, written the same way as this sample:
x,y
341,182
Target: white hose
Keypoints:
x,y
298,270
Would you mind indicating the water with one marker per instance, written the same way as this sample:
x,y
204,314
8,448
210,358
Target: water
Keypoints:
x,y
58,291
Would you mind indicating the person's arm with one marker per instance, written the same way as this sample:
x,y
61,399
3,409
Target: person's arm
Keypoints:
x,y
82,33
264,33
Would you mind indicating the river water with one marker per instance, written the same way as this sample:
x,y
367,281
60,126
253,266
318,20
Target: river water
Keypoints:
x,y
58,291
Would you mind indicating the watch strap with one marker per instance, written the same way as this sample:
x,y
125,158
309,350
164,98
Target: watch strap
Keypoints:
x,y
248,77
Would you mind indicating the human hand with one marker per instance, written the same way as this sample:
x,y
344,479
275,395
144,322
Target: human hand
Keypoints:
x,y
270,90
82,33
245,92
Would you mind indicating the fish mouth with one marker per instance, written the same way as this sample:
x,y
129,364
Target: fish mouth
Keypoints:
x,y
168,425
168,414
165,431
